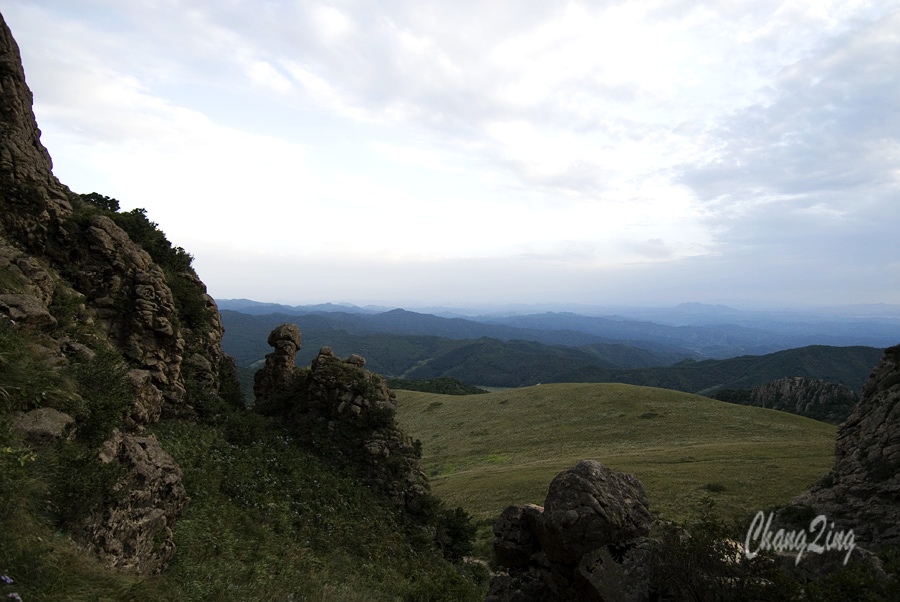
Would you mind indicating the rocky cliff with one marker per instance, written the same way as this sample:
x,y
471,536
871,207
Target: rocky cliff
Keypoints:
x,y
829,402
862,491
77,286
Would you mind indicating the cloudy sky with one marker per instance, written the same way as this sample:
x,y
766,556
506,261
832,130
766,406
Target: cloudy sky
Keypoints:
x,y
496,151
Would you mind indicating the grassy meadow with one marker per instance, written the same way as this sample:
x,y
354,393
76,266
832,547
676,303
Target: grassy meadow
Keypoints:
x,y
483,452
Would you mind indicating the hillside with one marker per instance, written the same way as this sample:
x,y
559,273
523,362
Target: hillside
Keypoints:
x,y
404,351
689,330
849,366
828,402
719,332
523,361
486,451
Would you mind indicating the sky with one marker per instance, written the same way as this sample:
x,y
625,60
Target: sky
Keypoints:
x,y
420,152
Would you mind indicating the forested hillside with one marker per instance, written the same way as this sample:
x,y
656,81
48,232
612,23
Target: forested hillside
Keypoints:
x,y
493,362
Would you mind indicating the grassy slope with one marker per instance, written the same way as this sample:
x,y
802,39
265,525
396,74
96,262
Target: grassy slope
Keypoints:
x,y
484,452
267,521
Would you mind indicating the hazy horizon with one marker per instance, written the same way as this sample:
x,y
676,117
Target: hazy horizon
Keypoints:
x,y
469,154
873,310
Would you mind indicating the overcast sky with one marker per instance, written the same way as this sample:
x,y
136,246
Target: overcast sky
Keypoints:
x,y
434,152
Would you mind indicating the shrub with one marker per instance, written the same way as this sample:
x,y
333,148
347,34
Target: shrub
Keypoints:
x,y
107,395
27,380
80,483
454,533
703,562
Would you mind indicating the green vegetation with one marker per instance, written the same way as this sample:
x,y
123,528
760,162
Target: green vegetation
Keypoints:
x,y
267,521
174,260
707,565
48,488
849,366
484,452
444,385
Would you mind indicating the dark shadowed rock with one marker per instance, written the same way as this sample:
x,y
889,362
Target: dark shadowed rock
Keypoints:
x,y
617,572
35,201
862,491
515,540
591,506
591,515
278,372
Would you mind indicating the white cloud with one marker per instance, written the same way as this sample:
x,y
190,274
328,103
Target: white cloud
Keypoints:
x,y
567,136
265,75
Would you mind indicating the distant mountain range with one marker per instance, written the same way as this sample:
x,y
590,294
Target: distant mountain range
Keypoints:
x,y
518,350
692,329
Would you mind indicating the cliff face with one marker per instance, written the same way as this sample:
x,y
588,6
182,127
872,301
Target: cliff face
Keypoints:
x,y
53,254
33,199
829,402
862,491
75,284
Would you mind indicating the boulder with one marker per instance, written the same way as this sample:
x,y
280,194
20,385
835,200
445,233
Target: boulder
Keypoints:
x,y
590,506
134,533
515,540
27,309
43,425
589,536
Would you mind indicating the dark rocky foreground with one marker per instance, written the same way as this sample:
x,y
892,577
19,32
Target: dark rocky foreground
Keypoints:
x,y
557,552
862,491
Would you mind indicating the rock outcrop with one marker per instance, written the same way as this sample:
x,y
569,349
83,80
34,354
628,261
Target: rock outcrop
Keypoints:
x,y
76,282
278,372
34,200
53,254
343,412
862,491
829,402
135,532
591,515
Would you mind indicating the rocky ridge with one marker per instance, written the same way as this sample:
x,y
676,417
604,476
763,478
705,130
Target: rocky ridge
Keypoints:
x,y
817,399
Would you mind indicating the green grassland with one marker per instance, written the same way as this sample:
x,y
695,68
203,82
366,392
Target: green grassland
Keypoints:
x,y
483,452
